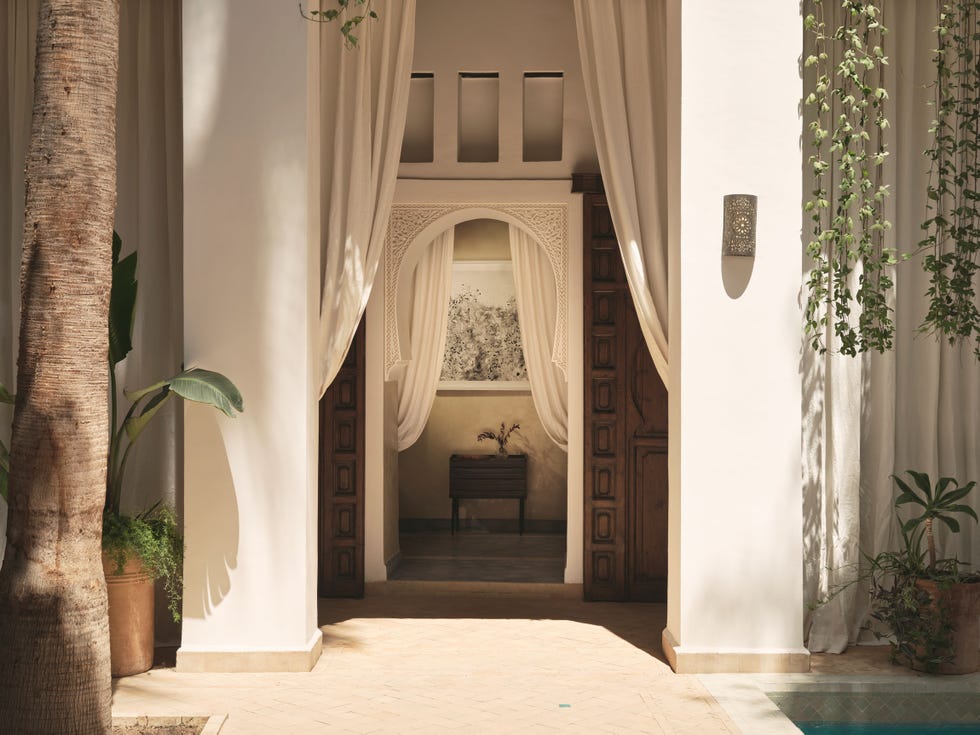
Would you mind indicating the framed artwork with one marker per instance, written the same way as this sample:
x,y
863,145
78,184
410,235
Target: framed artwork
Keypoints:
x,y
483,335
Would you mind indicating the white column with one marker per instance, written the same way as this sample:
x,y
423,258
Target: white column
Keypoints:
x,y
735,601
250,308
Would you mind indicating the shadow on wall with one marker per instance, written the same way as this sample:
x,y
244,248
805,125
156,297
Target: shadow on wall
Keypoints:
x,y
736,272
215,548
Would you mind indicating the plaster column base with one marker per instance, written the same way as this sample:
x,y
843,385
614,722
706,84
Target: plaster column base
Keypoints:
x,y
704,661
199,660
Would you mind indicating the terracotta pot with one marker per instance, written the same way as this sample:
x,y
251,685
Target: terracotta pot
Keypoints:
x,y
963,602
130,617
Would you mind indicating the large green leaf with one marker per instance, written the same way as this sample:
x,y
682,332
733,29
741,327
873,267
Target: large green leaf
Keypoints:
x,y
961,492
201,386
908,495
922,480
122,303
963,509
954,525
134,426
205,386
5,395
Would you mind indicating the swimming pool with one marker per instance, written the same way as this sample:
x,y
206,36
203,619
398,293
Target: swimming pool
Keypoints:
x,y
886,728
881,709
822,704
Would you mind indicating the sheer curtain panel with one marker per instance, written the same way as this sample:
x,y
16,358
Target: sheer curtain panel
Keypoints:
x,y
622,44
363,103
914,407
148,210
537,307
431,287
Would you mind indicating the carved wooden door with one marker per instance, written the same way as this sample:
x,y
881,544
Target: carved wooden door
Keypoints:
x,y
341,479
625,431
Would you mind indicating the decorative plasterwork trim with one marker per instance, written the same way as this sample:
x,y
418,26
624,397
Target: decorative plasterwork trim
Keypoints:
x,y
546,222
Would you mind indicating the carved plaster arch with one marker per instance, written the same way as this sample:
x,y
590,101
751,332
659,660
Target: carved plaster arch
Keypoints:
x,y
546,222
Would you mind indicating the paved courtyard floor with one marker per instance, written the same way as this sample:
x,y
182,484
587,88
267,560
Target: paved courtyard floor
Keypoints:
x,y
425,662
443,657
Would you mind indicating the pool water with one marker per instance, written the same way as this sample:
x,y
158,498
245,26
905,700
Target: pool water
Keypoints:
x,y
887,728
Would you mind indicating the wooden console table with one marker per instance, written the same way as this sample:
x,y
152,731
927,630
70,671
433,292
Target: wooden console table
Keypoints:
x,y
487,476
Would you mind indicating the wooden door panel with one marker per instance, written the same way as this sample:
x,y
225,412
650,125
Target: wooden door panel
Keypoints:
x,y
625,540
340,542
648,513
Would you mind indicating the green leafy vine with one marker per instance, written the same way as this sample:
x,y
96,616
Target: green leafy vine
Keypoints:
x,y
952,241
344,9
846,204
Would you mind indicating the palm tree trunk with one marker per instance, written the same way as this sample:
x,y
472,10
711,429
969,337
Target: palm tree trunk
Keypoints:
x,y
54,665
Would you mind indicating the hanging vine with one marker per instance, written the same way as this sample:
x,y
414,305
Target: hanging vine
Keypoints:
x,y
952,242
352,12
846,205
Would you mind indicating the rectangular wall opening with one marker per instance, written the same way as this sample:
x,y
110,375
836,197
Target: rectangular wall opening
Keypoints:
x,y
544,100
479,117
417,143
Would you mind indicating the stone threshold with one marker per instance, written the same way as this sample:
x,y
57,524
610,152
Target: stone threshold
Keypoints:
x,y
414,588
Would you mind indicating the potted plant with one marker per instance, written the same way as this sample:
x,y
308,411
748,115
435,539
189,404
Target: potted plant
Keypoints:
x,y
137,550
501,437
928,604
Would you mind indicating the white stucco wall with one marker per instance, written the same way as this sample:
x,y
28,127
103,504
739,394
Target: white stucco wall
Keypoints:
x,y
735,503
250,303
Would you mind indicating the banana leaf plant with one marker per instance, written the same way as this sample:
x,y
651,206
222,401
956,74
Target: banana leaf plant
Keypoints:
x,y
195,384
201,386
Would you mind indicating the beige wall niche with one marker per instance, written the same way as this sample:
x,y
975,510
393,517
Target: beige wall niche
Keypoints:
x,y
481,239
453,425
457,418
509,38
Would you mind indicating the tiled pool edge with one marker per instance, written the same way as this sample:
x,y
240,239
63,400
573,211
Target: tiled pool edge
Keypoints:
x,y
745,697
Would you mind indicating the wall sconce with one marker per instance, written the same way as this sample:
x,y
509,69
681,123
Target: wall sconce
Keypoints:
x,y
738,233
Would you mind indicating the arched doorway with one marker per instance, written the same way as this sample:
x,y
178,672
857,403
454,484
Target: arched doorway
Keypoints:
x,y
506,521
414,224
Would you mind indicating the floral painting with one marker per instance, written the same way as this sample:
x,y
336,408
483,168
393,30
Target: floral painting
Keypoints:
x,y
483,340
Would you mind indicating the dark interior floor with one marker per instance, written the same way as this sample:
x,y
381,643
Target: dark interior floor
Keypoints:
x,y
481,557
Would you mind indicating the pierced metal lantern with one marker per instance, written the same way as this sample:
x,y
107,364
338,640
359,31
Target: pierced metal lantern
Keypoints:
x,y
738,234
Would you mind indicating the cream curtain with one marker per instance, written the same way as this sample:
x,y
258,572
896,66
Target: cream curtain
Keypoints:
x,y
18,28
431,287
622,44
537,307
364,101
149,217
916,407
148,211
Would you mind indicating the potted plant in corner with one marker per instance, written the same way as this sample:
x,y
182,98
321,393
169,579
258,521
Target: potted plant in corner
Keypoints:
x,y
929,604
137,550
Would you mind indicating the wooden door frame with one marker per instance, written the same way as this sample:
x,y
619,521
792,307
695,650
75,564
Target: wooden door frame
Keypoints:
x,y
340,483
435,205
625,421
